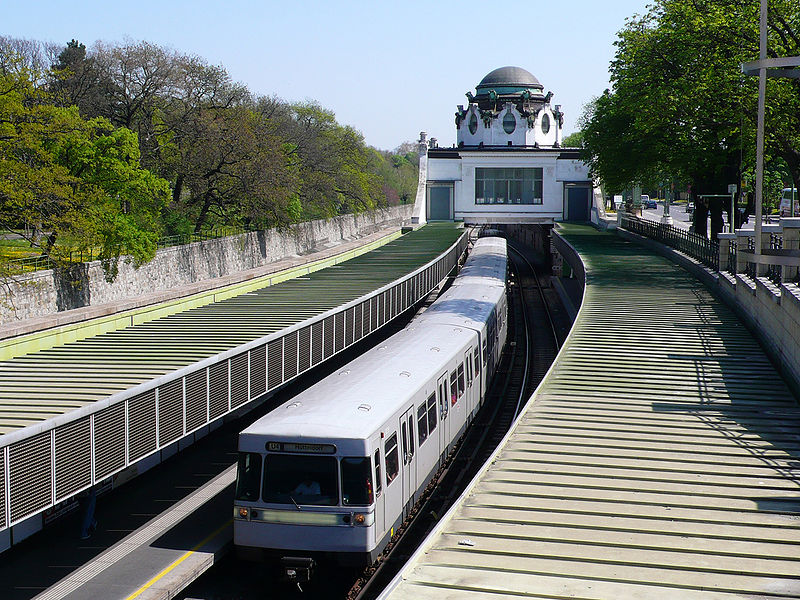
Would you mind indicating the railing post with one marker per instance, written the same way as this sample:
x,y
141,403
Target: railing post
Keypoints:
x,y
742,238
762,270
791,241
725,241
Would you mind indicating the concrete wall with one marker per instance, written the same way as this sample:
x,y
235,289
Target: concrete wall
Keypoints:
x,y
46,292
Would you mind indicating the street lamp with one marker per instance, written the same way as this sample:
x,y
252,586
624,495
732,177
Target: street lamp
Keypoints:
x,y
777,67
666,218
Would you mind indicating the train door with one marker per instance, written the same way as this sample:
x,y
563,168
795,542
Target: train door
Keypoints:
x,y
393,492
470,396
409,464
444,408
380,525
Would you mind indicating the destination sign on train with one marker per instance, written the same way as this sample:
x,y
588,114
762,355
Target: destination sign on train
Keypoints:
x,y
306,448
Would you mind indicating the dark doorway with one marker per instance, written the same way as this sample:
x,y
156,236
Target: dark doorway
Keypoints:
x,y
578,202
440,202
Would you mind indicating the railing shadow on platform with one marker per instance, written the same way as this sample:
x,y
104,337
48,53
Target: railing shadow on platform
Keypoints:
x,y
762,286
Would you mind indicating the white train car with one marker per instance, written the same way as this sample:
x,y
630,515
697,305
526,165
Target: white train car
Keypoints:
x,y
338,468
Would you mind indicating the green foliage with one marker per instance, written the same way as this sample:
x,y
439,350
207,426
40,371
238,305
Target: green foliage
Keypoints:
x,y
680,108
295,209
76,184
115,145
573,140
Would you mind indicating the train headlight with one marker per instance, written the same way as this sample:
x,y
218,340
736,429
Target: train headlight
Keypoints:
x,y
363,519
241,512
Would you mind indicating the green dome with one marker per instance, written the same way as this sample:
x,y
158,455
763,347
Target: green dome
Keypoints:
x,y
507,80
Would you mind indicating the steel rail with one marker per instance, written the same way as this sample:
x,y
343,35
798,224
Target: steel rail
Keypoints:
x,y
425,508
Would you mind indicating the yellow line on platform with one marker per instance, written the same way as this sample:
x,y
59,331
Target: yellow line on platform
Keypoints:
x,y
178,561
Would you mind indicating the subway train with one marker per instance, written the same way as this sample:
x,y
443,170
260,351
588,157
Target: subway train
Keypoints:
x,y
336,469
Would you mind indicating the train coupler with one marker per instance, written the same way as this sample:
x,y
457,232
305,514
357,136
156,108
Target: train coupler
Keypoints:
x,y
297,569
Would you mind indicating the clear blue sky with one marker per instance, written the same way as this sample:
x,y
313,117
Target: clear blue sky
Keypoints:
x,y
389,69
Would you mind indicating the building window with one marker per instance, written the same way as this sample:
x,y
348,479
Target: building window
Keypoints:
x,y
508,186
545,123
509,122
473,124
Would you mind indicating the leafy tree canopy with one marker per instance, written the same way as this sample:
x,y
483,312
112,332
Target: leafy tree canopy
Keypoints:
x,y
74,184
680,109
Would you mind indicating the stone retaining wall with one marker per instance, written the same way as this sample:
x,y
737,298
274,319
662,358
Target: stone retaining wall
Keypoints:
x,y
47,292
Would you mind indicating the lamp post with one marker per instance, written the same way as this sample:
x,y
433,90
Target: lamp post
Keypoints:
x,y
777,67
666,218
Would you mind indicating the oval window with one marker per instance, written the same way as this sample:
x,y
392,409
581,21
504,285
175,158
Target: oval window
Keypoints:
x,y
545,123
509,122
473,124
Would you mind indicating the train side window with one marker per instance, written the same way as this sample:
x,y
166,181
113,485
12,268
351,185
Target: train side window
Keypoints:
x,y
404,437
453,387
431,412
392,459
248,476
485,354
356,481
411,435
378,480
422,423
461,386
477,362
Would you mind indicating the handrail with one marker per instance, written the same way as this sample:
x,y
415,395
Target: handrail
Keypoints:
x,y
697,246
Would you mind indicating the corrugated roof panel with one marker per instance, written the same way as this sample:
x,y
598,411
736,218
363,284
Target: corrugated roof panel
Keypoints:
x,y
68,376
657,460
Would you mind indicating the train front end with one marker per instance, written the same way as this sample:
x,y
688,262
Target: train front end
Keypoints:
x,y
300,500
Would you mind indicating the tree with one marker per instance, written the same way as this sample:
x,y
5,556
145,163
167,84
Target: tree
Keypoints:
x,y
573,140
679,107
77,184
75,79
333,163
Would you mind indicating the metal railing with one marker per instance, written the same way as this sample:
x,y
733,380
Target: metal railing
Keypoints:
x,y
774,271
696,246
750,267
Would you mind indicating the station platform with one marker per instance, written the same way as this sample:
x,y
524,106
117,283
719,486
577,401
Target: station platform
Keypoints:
x,y
658,459
162,557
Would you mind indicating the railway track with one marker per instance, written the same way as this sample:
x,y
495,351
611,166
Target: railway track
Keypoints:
x,y
528,355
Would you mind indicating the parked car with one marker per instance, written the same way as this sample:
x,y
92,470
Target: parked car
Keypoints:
x,y
648,202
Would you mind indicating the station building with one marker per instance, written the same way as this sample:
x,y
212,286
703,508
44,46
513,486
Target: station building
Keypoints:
x,y
508,165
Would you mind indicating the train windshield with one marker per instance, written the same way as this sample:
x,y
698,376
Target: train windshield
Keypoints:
x,y
295,479
248,476
356,481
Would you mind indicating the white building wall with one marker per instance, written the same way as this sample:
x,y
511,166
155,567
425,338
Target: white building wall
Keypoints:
x,y
463,133
495,135
572,170
461,172
499,137
536,136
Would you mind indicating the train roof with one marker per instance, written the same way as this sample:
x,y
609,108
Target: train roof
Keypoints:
x,y
360,398
463,306
487,264
356,401
476,291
